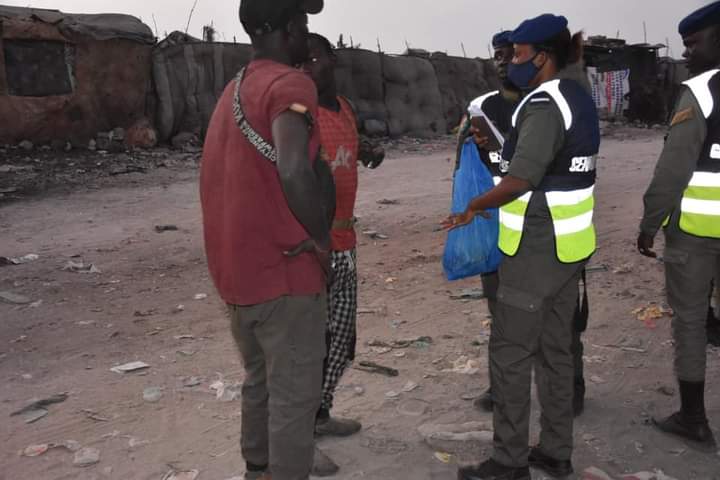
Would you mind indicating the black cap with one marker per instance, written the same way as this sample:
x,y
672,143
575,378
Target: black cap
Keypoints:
x,y
264,16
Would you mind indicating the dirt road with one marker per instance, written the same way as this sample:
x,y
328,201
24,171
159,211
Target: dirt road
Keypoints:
x,y
152,301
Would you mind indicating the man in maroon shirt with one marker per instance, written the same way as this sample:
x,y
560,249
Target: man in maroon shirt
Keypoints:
x,y
267,237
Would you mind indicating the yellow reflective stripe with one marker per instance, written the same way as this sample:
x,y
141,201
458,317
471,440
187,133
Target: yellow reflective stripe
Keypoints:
x,y
703,193
516,207
509,240
700,225
577,246
512,223
571,211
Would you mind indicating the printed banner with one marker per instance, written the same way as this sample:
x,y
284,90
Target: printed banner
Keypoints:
x,y
610,91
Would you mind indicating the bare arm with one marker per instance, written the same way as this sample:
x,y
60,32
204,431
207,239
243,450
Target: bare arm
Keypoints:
x,y
298,180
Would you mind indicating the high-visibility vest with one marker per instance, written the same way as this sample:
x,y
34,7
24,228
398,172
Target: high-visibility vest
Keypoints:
x,y
569,183
700,206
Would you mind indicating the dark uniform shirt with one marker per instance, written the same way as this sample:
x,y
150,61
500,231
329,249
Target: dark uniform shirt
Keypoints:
x,y
676,166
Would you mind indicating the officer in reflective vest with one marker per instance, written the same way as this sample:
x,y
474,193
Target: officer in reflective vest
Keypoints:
x,y
547,235
684,196
498,106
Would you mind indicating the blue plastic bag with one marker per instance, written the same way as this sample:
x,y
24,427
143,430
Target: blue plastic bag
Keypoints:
x,y
473,249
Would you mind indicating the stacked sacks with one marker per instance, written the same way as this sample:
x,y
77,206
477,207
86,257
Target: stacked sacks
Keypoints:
x,y
460,80
359,77
189,79
412,97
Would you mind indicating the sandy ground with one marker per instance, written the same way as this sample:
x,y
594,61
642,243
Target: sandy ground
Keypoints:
x,y
78,326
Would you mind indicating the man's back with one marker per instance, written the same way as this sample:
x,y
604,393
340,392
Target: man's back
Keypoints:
x,y
248,223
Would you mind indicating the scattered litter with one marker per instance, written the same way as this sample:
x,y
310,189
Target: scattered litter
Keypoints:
x,y
166,228
597,268
399,354
656,475
409,387
226,392
20,339
37,408
32,416
130,367
186,353
594,473
387,201
86,457
201,296
35,450
640,448
80,267
413,408
14,298
192,382
359,391
667,391
392,394
464,366
390,280
36,304
623,348
624,269
372,367
677,451
7,261
134,443
443,457
95,416
375,235
382,310
650,314
419,342
468,294
445,436
381,350
185,475
184,337
145,313
597,380
180,308
152,394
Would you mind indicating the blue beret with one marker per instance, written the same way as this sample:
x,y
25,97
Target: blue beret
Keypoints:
x,y
502,39
539,29
700,19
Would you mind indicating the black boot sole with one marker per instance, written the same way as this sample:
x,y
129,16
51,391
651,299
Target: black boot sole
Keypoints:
x,y
698,446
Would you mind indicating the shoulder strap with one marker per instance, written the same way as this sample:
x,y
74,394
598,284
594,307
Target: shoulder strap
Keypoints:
x,y
265,148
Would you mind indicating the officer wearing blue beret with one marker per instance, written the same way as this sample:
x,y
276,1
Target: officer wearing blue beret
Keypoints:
x,y
498,106
684,197
547,235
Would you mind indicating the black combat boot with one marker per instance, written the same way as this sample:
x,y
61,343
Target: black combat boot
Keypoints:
x,y
690,423
579,396
484,402
552,466
492,470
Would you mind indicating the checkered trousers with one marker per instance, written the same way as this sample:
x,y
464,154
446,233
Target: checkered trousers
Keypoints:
x,y
342,322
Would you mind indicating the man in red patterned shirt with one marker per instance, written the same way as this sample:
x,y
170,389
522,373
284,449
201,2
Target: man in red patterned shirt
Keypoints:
x,y
342,148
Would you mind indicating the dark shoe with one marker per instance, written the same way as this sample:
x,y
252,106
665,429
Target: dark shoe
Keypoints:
x,y
492,470
323,466
553,467
484,402
336,427
579,397
697,434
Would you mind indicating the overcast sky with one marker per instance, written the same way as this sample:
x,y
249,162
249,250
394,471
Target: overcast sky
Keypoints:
x,y
431,24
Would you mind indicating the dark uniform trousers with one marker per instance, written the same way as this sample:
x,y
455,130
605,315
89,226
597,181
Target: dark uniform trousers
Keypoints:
x,y
533,327
691,263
